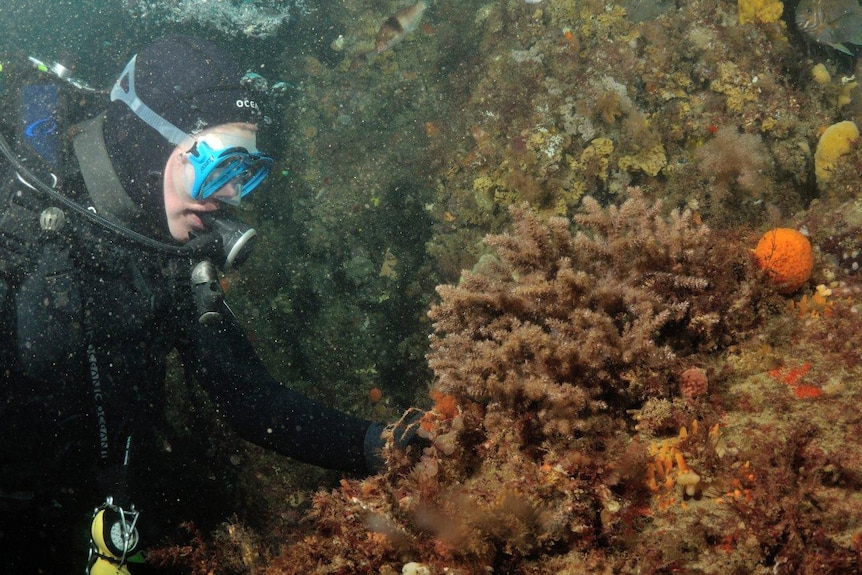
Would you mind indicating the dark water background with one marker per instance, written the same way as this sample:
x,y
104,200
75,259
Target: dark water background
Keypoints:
x,y
93,37
96,38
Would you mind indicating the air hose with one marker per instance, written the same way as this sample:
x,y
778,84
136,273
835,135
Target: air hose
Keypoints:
x,y
37,184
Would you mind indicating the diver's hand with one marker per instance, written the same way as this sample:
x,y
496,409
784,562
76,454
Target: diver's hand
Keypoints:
x,y
402,434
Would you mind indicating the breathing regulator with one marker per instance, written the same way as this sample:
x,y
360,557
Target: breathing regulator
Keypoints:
x,y
236,240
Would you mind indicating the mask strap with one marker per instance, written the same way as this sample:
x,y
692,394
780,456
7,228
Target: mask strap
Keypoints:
x,y
129,97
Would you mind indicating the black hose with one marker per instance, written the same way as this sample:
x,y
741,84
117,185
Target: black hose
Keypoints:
x,y
123,231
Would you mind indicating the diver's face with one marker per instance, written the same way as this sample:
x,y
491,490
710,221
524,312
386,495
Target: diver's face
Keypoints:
x,y
184,212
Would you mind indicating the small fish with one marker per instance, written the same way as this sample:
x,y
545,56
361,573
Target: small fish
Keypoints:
x,y
399,25
831,22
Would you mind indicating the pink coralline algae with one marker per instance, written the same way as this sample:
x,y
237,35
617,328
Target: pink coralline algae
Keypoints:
x,y
693,383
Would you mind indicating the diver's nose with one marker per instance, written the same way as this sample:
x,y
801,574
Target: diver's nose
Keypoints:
x,y
229,193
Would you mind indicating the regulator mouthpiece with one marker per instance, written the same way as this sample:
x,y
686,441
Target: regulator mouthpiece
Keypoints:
x,y
236,239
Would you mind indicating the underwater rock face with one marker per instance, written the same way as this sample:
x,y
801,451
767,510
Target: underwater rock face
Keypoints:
x,y
562,434
539,354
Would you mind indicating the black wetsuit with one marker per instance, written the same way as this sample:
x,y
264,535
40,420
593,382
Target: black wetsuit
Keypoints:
x,y
84,338
116,323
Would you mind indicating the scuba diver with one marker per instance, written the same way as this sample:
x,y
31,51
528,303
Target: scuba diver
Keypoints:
x,y
109,265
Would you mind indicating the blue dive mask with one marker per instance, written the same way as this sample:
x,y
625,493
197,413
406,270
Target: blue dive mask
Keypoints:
x,y
214,169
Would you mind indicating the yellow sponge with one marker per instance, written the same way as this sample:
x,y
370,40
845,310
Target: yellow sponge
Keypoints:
x,y
834,143
762,11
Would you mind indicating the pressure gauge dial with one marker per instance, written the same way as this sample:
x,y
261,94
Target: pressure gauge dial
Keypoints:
x,y
121,539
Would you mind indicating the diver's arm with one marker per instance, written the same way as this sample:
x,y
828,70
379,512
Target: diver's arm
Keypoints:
x,y
271,415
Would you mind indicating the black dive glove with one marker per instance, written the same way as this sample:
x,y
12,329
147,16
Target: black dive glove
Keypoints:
x,y
402,434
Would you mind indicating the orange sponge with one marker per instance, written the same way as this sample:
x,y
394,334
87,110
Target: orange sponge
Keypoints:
x,y
787,258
